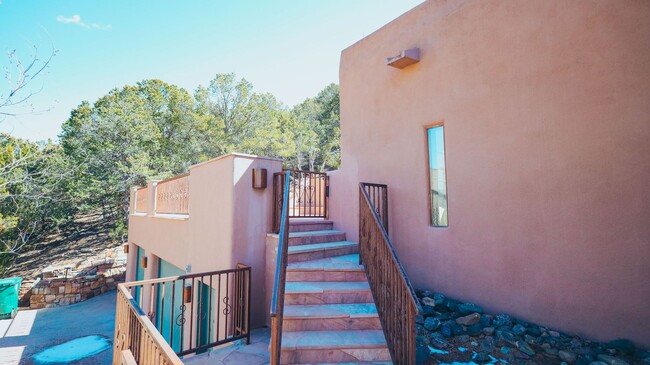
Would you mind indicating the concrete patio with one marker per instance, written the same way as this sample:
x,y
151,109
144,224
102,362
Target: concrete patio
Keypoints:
x,y
257,353
35,330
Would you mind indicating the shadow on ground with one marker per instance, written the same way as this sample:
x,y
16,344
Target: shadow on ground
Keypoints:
x,y
35,330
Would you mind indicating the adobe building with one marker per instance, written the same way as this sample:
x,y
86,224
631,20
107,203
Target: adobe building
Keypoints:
x,y
514,140
545,111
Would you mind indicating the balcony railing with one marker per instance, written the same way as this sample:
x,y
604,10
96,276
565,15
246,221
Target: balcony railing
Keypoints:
x,y
141,200
159,320
171,196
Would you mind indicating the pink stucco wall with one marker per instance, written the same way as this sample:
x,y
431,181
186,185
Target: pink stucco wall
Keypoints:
x,y
546,106
227,224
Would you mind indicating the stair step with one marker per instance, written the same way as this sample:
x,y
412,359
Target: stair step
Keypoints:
x,y
337,268
327,292
306,225
321,250
334,346
310,237
331,317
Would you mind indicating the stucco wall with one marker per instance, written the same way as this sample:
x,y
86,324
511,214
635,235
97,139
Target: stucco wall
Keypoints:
x,y
227,224
547,128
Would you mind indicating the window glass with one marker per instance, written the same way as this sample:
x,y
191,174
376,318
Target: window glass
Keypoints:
x,y
437,176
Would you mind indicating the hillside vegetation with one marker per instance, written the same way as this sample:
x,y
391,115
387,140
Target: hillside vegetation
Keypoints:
x,y
151,130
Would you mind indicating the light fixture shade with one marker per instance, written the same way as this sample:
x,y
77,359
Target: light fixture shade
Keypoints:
x,y
143,263
187,293
405,58
125,247
259,178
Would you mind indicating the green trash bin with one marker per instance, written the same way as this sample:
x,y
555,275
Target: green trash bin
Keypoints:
x,y
9,288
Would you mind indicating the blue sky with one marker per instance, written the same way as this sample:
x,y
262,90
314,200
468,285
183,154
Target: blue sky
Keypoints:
x,y
288,48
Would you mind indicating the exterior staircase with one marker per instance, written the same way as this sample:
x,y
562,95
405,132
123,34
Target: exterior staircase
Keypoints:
x,y
329,313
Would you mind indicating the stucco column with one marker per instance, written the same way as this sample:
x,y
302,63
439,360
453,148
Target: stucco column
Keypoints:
x,y
132,199
151,197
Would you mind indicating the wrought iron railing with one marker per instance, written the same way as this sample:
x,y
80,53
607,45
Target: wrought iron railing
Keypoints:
x,y
183,314
378,196
394,297
277,298
308,194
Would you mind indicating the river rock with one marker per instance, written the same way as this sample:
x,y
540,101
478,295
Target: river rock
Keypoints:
x,y
474,330
438,341
534,331
597,363
481,358
438,297
567,356
431,324
518,330
523,347
506,337
428,301
502,320
469,319
611,360
488,331
622,345
446,330
467,308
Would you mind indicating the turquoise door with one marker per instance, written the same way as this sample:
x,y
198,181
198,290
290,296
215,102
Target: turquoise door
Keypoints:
x,y
204,330
169,312
139,272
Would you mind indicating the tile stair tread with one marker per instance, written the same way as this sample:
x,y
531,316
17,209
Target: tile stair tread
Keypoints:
x,y
360,339
308,233
298,287
356,310
335,263
307,220
320,246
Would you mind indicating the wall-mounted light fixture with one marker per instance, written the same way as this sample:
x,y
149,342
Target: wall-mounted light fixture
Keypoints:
x,y
125,247
405,58
187,293
259,178
143,262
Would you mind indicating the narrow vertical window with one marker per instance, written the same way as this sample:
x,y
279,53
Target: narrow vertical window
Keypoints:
x,y
437,176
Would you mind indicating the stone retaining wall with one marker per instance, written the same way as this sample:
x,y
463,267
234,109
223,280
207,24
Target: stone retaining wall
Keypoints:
x,y
54,292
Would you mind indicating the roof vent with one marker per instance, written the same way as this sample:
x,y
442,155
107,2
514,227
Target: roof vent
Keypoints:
x,y
405,58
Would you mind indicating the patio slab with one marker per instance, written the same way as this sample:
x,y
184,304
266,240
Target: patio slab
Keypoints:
x,y
257,353
35,330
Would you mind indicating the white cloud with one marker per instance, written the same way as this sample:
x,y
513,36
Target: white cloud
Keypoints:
x,y
76,19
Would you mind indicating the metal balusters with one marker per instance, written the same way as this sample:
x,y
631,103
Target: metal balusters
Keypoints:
x,y
395,299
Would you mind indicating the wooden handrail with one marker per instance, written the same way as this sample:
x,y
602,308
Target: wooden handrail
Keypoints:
x,y
277,298
135,332
394,296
